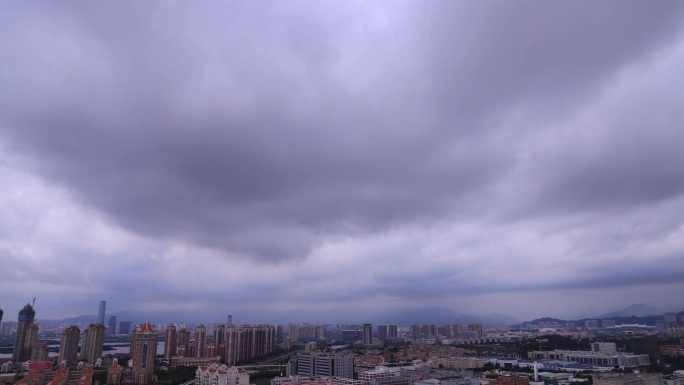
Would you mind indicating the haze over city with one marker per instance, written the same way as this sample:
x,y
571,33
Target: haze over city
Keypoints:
x,y
342,158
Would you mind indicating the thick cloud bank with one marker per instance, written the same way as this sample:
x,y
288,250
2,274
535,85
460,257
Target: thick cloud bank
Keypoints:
x,y
448,153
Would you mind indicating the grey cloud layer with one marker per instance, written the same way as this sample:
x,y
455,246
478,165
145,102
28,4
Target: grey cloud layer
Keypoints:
x,y
267,129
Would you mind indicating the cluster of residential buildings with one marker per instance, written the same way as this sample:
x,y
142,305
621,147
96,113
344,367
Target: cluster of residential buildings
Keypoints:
x,y
216,348
413,332
228,343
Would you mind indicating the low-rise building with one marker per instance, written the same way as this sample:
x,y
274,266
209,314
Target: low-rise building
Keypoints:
x,y
629,379
595,358
216,374
379,373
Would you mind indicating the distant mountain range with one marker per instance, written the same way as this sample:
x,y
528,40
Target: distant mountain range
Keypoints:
x,y
638,310
417,315
638,313
634,314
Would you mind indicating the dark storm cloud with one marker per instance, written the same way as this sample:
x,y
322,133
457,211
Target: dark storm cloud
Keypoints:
x,y
443,284
265,130
543,56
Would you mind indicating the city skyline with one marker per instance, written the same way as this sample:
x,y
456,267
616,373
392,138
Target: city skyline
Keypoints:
x,y
436,316
342,158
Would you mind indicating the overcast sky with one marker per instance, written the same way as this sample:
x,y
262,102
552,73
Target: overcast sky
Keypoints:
x,y
522,157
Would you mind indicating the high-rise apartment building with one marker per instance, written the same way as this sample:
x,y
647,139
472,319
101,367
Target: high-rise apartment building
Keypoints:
x,y
170,342
383,332
101,312
39,352
293,332
143,352
476,328
280,334
445,331
393,332
111,326
310,332
219,341
200,341
93,340
31,339
244,342
415,332
26,316
367,334
68,345
183,348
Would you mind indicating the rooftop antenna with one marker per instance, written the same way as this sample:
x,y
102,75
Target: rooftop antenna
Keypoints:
x,y
34,302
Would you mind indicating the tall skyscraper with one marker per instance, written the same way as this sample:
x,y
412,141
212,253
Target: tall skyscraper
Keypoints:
x,y
200,340
170,342
26,317
367,334
68,345
143,352
111,327
93,339
101,312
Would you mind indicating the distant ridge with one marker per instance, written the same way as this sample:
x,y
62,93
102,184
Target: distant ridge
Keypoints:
x,y
634,314
547,319
410,315
636,310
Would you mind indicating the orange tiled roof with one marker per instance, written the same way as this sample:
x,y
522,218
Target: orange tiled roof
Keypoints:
x,y
146,329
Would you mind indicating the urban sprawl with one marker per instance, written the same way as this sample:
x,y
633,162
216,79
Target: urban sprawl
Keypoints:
x,y
591,352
